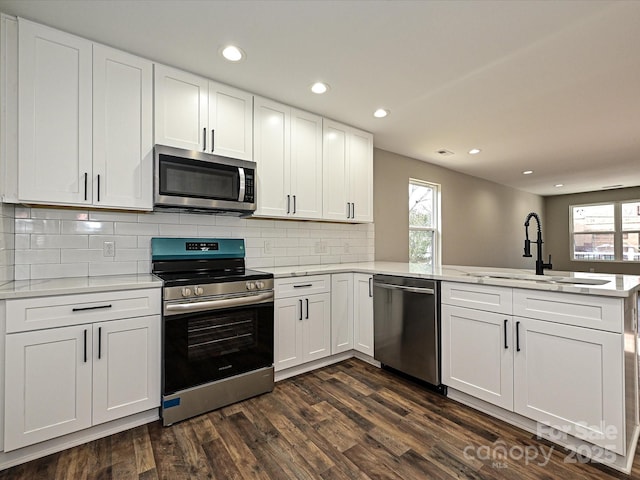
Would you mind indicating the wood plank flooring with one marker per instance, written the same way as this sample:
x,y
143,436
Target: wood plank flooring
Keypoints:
x,y
347,421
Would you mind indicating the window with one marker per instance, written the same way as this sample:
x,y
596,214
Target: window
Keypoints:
x,y
606,232
424,221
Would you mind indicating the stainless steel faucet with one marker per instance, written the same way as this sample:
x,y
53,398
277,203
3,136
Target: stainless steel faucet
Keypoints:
x,y
540,265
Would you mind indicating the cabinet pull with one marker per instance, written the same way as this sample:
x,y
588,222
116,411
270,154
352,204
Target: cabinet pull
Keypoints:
x,y
204,139
98,187
294,204
213,140
82,309
85,345
85,185
517,336
99,342
288,202
303,285
300,309
505,334
353,210
370,285
307,316
348,210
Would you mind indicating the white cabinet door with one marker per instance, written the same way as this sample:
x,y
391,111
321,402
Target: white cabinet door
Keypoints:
x,y
316,342
288,332
273,156
54,101
341,312
230,122
477,354
126,367
48,384
181,108
306,164
334,171
122,130
572,379
361,175
363,313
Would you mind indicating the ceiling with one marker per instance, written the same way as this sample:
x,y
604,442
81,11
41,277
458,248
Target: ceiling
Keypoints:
x,y
549,86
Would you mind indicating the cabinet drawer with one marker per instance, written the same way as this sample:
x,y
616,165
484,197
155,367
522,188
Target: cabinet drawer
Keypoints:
x,y
296,286
480,297
602,313
57,311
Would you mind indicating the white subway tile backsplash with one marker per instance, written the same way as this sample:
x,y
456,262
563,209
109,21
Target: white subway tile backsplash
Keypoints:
x,y
27,257
172,230
59,241
112,268
88,227
125,228
61,270
29,225
76,255
54,243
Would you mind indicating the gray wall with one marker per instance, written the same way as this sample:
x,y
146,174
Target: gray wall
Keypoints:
x,y
482,221
557,222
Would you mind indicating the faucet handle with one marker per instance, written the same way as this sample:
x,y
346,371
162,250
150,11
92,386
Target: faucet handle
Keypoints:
x,y
549,265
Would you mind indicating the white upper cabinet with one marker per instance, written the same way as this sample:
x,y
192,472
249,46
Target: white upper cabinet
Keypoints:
x,y
230,122
85,131
197,114
347,173
54,120
181,108
122,129
288,151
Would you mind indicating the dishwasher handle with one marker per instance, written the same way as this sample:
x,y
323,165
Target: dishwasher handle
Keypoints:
x,y
389,286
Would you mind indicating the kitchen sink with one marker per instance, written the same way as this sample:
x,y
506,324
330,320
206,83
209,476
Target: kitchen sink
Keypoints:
x,y
540,278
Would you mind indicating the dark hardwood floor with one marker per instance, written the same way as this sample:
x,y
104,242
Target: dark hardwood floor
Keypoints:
x,y
346,421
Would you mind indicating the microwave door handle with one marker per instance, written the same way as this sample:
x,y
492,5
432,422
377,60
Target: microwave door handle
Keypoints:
x,y
242,184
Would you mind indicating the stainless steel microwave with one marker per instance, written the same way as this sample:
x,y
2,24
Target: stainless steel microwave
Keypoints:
x,y
190,180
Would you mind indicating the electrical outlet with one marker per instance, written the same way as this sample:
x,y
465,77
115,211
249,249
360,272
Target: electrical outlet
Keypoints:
x,y
109,249
347,247
268,246
321,246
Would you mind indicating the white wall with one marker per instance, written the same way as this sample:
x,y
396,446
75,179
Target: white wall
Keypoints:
x,y
6,242
55,243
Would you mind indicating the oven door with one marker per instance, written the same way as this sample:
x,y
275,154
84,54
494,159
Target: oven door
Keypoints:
x,y
185,179
206,346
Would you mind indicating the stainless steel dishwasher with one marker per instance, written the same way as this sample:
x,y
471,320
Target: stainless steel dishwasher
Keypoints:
x,y
406,317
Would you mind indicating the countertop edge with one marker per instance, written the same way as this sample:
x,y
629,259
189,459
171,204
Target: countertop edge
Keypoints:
x,y
77,285
457,273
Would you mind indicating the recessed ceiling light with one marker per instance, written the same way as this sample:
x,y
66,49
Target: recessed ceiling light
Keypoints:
x,y
319,88
558,185
527,172
474,151
381,113
232,53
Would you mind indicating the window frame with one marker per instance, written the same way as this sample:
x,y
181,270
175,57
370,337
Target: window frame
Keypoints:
x,y
617,232
436,220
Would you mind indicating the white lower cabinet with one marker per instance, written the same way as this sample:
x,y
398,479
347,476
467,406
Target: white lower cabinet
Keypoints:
x,y
363,313
560,375
341,312
302,322
48,384
100,367
572,379
477,359
351,313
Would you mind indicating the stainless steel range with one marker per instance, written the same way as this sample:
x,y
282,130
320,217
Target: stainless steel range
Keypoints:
x,y
217,325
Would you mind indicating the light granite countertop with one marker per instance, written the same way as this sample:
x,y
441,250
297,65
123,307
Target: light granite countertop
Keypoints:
x,y
67,286
613,285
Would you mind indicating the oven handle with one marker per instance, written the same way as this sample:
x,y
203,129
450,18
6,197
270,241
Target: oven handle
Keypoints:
x,y
177,308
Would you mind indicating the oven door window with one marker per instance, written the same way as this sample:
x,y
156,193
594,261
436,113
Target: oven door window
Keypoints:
x,y
193,178
207,346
